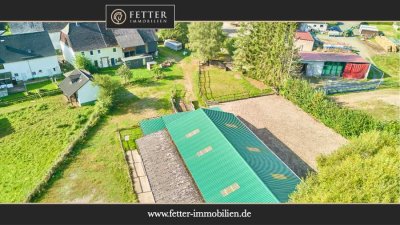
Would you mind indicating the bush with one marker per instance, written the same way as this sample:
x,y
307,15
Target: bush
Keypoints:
x,y
81,62
345,121
366,170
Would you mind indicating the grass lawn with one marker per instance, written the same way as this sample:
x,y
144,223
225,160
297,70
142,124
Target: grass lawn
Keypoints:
x,y
390,65
45,85
32,137
132,134
228,82
380,110
98,172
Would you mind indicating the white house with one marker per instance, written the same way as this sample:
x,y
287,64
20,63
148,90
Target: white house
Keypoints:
x,y
105,47
78,87
53,28
304,41
314,27
28,56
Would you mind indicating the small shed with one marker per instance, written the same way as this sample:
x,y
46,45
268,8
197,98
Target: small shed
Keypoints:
x,y
172,44
368,31
346,65
137,61
78,87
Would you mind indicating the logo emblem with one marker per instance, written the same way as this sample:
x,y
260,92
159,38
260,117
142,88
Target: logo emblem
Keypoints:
x,y
118,16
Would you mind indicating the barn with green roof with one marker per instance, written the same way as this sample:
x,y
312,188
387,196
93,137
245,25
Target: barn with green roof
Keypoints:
x,y
227,161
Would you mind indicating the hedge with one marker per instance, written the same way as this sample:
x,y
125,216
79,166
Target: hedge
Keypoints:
x,y
345,121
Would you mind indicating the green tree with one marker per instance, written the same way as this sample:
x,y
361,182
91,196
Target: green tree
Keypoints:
x,y
178,33
229,45
81,62
124,72
108,89
157,71
265,50
365,170
206,39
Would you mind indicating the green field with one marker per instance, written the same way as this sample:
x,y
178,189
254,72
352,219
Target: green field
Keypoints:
x,y
390,65
97,171
32,137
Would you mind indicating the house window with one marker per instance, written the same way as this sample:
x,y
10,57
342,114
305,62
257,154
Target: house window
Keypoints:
x,y
315,25
321,25
98,51
33,73
1,66
15,74
83,53
40,71
54,69
96,63
91,52
127,54
114,49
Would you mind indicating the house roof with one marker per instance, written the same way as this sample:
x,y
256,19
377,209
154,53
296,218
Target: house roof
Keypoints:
x,y
73,81
54,26
25,27
29,27
90,36
169,180
368,27
226,160
148,35
302,35
20,47
331,57
128,37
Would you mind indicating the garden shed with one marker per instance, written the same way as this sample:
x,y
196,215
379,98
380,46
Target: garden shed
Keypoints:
x,y
172,44
346,65
137,61
228,163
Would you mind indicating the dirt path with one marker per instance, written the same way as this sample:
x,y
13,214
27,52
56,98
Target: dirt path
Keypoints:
x,y
296,137
389,96
188,67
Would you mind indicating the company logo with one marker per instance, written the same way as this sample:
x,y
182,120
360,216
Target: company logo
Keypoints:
x,y
118,16
140,16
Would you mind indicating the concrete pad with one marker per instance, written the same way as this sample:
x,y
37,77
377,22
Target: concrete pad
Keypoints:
x,y
146,197
140,169
136,184
144,182
136,156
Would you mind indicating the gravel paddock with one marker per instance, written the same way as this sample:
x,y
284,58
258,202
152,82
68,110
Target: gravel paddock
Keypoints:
x,y
296,137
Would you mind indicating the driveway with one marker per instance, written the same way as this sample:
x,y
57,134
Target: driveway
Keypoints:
x,y
296,137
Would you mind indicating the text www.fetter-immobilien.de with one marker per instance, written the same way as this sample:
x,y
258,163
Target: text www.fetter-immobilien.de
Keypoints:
x,y
196,214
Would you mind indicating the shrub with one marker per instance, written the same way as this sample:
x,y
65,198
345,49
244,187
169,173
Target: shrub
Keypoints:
x,y
81,62
345,121
366,170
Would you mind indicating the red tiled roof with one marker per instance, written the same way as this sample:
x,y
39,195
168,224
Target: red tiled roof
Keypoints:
x,y
331,57
304,36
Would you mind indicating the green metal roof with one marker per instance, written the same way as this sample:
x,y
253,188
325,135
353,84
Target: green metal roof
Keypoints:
x,y
226,160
